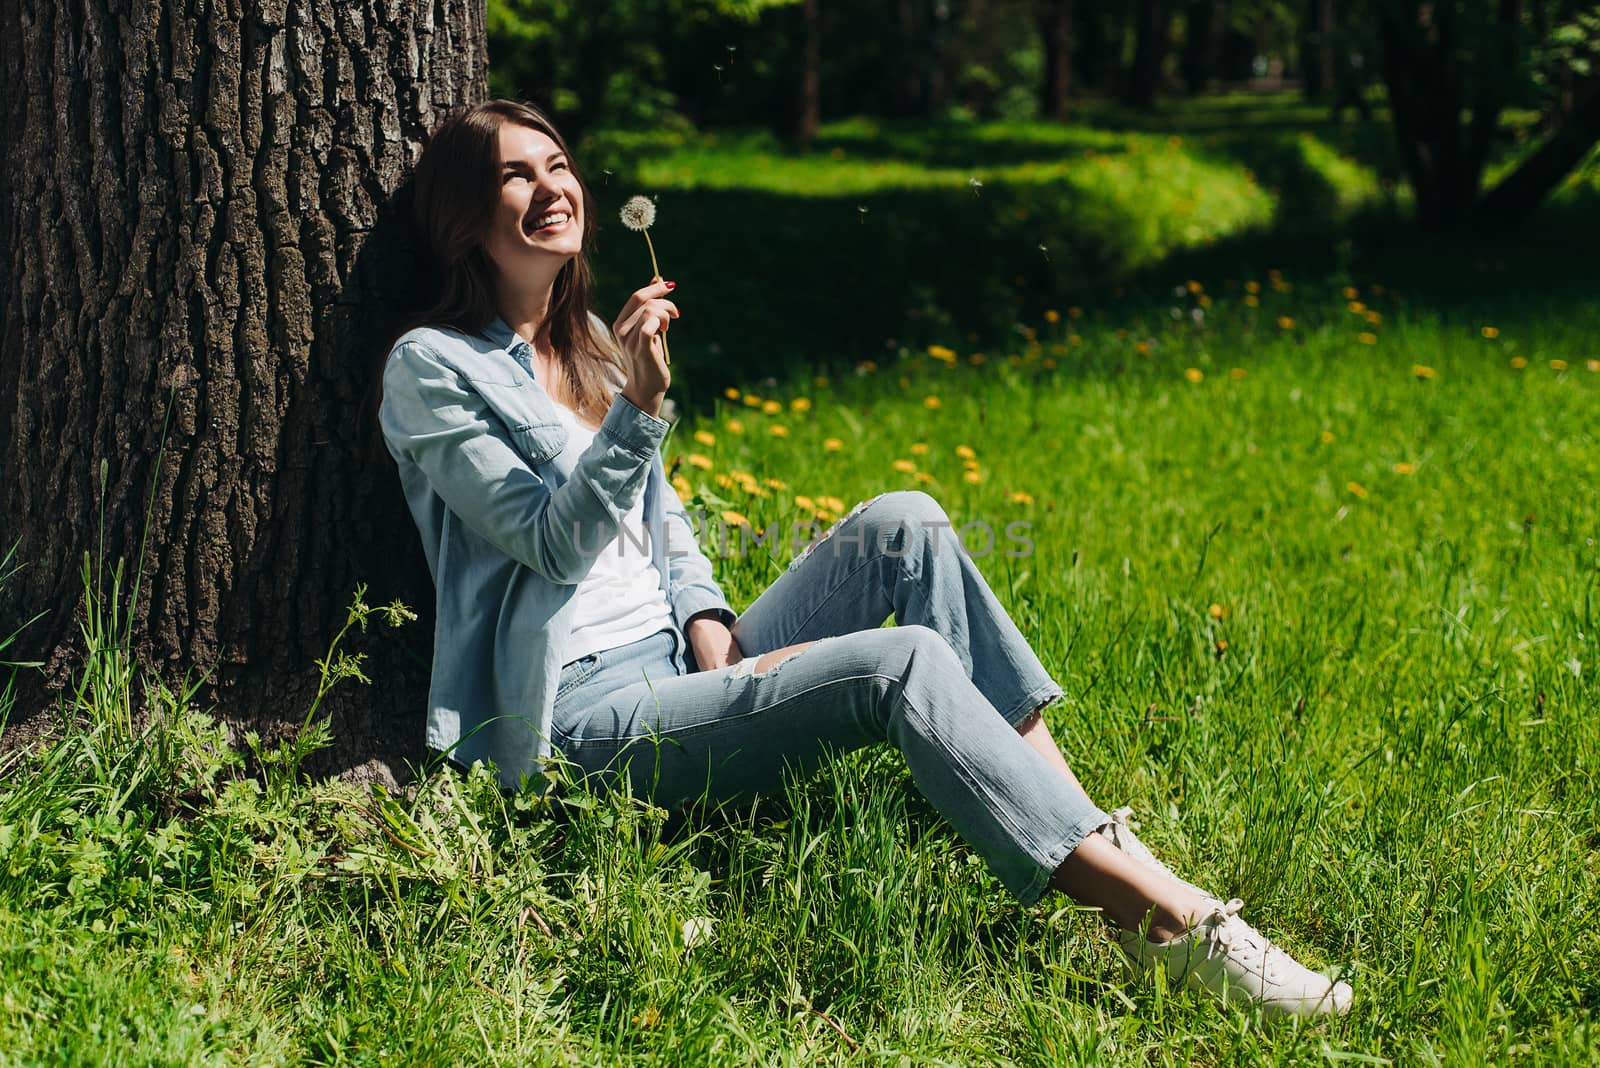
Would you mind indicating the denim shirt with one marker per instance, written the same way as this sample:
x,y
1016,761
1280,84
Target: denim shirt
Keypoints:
x,y
511,520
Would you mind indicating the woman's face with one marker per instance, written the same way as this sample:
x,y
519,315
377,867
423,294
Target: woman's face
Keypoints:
x,y
537,186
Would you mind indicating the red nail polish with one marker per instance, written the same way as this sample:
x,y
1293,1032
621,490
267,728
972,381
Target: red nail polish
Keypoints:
x,y
672,285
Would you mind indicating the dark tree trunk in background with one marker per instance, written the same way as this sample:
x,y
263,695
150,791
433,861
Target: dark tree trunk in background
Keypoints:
x,y
1055,27
1150,47
1444,155
1318,51
198,204
908,69
1202,45
810,105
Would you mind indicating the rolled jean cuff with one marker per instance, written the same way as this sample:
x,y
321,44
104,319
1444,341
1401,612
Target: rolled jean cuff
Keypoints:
x,y
1034,884
1047,694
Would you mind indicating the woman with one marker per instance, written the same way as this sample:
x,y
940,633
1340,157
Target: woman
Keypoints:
x,y
578,618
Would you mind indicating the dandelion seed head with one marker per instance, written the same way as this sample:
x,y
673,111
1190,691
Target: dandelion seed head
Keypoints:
x,y
639,213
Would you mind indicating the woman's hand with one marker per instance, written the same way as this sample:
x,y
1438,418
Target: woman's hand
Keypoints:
x,y
713,643
639,328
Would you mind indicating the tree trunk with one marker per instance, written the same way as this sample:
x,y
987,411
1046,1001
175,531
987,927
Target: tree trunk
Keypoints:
x,y
200,209
1055,27
1319,56
1423,57
809,111
908,69
1202,44
1150,47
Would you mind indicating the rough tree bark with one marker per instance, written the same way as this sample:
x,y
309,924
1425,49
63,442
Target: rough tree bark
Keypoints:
x,y
199,205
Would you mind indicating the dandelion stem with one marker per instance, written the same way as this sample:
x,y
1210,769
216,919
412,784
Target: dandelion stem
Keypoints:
x,y
666,353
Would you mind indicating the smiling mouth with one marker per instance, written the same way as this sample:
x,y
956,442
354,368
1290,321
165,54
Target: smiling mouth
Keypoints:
x,y
551,220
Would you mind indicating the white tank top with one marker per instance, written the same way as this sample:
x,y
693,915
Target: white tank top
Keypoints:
x,y
620,600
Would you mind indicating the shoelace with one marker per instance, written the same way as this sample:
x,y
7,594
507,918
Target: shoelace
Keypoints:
x,y
1241,940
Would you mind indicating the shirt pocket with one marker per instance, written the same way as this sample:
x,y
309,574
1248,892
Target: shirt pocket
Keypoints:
x,y
527,412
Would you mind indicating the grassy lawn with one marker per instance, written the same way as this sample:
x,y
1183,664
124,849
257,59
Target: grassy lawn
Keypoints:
x,y
1313,517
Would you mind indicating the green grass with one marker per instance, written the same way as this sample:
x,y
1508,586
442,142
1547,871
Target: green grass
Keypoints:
x,y
1360,696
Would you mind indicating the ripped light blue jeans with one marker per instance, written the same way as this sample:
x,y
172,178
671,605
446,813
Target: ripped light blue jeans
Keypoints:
x,y
946,685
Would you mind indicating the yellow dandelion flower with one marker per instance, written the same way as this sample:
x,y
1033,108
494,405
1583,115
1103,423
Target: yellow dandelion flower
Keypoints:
x,y
1029,332
1236,373
725,481
702,462
1142,348
1274,275
681,484
1356,307
1593,365
1357,488
1490,332
1327,437
923,476
825,515
1215,611
802,501
940,352
1052,316
1558,365
970,465
832,444
820,381
1367,338
1074,313
1049,363
1020,497
1403,468
1252,301
734,426
973,476
930,402
1193,374
831,503
1252,287
751,400
1205,300
976,358
1373,318
772,407
1192,286
906,466
733,518
919,448
732,393
742,476
778,430
1351,293
775,483
1016,361
1285,323
1423,371
1074,340
1518,363
866,366
965,452
705,437
800,404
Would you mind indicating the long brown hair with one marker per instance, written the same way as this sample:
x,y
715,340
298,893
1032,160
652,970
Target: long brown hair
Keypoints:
x,y
455,188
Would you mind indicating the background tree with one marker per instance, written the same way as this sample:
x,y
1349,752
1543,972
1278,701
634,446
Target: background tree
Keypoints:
x,y
197,212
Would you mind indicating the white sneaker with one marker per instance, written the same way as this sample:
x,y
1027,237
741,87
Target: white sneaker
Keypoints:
x,y
1119,832
1233,962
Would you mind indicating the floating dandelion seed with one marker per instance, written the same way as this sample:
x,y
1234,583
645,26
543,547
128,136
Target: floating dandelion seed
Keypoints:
x,y
639,213
861,213
1045,251
607,172
975,184
718,68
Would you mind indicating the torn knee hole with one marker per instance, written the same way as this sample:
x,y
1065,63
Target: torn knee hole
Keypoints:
x,y
767,663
